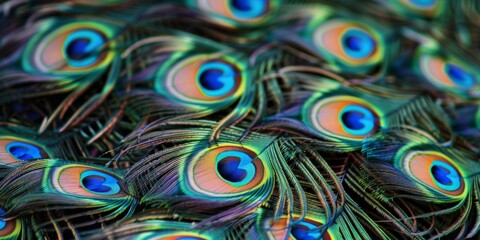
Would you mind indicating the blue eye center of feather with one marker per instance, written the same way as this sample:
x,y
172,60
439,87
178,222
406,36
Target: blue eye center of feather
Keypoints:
x,y
24,151
423,3
358,44
248,9
235,167
357,120
445,176
82,48
209,79
305,231
228,169
459,76
99,182
77,49
3,223
216,79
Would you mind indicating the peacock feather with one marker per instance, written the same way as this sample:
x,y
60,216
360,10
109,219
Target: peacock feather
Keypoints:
x,y
239,119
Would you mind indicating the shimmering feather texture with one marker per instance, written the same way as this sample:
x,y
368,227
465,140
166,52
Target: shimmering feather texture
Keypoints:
x,y
68,193
239,119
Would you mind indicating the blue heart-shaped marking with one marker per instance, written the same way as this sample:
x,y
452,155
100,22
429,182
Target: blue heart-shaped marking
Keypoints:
x,y
210,79
445,176
459,76
229,169
423,3
357,120
82,48
216,78
24,151
95,184
358,44
305,231
99,182
78,49
3,223
249,9
235,167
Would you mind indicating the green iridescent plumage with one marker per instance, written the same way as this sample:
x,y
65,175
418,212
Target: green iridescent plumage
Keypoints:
x,y
239,119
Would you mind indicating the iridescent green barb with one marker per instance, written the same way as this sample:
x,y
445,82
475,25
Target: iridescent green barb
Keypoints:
x,y
239,119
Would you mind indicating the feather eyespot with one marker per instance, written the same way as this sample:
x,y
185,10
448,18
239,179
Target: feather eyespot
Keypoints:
x,y
341,117
9,229
445,73
24,151
217,78
246,11
202,82
85,181
306,229
349,43
99,183
226,171
436,171
80,47
17,150
73,48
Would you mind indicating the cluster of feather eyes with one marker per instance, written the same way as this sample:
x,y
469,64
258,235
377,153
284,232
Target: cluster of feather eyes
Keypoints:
x,y
239,119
